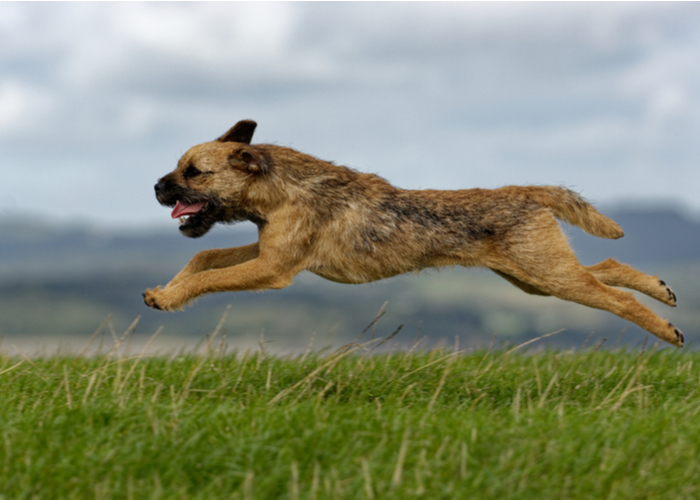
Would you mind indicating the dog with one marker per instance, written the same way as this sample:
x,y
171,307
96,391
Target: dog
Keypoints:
x,y
353,227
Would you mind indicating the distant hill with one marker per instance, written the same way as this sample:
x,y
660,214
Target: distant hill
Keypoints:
x,y
34,249
66,280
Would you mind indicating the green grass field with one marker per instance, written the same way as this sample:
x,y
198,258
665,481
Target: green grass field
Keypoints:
x,y
584,423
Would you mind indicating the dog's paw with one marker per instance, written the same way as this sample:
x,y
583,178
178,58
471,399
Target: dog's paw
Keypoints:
x,y
163,299
670,298
679,339
149,298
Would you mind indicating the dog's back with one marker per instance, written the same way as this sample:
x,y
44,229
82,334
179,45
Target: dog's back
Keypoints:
x,y
372,230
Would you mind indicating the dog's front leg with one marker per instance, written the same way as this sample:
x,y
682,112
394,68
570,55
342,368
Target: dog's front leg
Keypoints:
x,y
256,274
216,259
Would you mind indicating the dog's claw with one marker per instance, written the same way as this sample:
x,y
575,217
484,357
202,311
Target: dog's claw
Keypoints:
x,y
671,295
150,303
679,336
680,339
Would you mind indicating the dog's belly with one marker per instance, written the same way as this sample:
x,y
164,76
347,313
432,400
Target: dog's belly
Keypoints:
x,y
366,270
340,277
387,262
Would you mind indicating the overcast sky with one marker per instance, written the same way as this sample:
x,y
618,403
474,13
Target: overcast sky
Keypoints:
x,y
99,100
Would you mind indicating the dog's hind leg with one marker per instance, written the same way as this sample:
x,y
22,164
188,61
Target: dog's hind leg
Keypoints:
x,y
613,273
582,287
538,255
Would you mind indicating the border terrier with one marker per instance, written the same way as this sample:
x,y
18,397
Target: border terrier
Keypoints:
x,y
353,227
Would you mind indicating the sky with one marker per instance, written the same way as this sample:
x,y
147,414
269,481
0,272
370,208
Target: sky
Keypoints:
x,y
99,100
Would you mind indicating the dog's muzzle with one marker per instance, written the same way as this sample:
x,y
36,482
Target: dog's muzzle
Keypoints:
x,y
162,189
168,193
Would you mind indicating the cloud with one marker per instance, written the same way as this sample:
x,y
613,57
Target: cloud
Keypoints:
x,y
476,56
427,94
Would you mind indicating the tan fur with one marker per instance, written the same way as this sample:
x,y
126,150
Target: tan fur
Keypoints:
x,y
353,227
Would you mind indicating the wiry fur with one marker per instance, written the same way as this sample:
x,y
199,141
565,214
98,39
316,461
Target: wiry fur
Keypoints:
x,y
354,227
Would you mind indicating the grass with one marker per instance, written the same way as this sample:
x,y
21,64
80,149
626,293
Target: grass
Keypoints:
x,y
582,423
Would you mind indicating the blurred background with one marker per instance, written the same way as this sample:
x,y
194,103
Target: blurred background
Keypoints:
x,y
99,100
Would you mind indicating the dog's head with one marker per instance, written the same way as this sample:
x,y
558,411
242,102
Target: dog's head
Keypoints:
x,y
211,179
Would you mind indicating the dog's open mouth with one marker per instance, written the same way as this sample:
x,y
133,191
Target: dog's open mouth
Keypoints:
x,y
183,211
195,218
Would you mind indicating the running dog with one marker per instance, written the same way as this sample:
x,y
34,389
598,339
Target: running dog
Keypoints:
x,y
353,227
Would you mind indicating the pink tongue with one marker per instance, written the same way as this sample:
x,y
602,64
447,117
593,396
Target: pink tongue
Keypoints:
x,y
182,209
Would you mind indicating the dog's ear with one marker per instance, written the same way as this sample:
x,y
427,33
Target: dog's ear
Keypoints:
x,y
240,132
250,160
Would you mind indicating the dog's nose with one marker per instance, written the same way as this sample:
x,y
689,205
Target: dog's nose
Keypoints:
x,y
158,187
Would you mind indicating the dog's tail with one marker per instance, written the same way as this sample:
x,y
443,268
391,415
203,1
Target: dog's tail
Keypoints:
x,y
572,208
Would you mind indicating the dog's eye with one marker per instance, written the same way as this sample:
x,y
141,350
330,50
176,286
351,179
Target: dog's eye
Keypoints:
x,y
191,171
